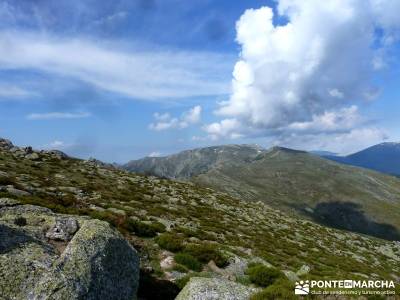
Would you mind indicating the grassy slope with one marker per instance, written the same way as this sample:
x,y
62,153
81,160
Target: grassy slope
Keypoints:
x,y
198,215
287,180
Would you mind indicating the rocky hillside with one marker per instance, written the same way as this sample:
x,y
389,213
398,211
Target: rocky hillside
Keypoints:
x,y
295,181
182,230
190,163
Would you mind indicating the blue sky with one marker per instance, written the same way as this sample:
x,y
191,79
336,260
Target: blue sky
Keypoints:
x,y
120,80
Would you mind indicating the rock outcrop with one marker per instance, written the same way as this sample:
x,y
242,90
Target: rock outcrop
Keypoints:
x,y
44,255
29,153
214,289
6,144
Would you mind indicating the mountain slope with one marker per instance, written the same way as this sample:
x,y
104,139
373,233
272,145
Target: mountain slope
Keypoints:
x,y
155,213
191,163
383,157
300,182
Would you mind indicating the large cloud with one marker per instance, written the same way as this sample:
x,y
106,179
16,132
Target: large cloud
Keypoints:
x,y
310,74
156,74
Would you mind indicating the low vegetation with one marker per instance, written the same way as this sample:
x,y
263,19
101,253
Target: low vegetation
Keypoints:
x,y
170,242
188,261
206,252
282,289
195,225
263,276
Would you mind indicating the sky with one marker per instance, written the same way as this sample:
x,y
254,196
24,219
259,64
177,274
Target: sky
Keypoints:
x,y
123,79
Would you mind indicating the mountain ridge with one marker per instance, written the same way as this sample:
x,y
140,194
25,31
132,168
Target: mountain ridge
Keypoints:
x,y
384,157
294,181
164,218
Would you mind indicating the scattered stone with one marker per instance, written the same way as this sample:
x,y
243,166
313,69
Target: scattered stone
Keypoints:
x,y
309,210
167,262
174,275
63,229
259,260
32,156
215,289
117,211
304,270
16,192
59,176
388,251
5,202
237,265
292,276
70,189
95,207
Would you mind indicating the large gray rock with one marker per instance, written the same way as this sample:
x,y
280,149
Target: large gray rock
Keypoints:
x,y
56,153
215,289
95,262
16,192
32,156
5,144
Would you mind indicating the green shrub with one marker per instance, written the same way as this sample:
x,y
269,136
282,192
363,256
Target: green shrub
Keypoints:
x,y
103,215
159,227
205,253
64,205
143,229
181,282
282,289
397,289
180,268
198,233
263,276
7,181
188,261
170,242
244,279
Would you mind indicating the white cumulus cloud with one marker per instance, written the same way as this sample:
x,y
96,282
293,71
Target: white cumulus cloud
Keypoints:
x,y
310,74
166,121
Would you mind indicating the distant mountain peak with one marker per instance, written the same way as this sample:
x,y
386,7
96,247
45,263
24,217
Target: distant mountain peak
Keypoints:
x,y
383,157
